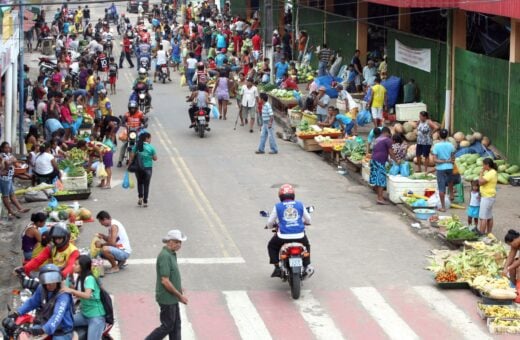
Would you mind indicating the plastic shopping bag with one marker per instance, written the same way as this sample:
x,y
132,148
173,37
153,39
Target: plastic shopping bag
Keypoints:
x,y
394,170
126,181
183,80
131,181
405,169
100,171
214,112
364,117
53,203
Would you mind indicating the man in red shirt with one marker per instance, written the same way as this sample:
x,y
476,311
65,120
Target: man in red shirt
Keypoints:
x,y
126,52
257,46
288,83
237,41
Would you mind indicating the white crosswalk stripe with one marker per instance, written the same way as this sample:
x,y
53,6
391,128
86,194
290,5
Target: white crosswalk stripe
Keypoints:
x,y
388,319
247,319
187,328
319,321
457,317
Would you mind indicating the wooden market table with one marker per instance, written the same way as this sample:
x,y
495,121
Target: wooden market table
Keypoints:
x,y
281,105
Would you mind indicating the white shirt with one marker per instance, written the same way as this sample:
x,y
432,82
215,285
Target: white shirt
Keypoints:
x,y
249,96
122,237
167,47
161,57
192,63
42,163
475,199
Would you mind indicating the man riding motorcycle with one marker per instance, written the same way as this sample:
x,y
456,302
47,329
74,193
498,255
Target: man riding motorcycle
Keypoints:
x,y
144,50
61,252
142,83
292,218
133,119
55,316
200,100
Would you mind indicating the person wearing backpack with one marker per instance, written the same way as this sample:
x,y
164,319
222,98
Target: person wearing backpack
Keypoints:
x,y
91,311
146,155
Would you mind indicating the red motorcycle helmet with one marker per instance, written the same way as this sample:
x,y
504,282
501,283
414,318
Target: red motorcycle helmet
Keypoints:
x,y
286,192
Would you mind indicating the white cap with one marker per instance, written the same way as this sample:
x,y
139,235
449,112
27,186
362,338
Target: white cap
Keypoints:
x,y
174,235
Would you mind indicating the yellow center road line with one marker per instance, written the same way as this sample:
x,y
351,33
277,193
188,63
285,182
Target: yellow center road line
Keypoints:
x,y
217,227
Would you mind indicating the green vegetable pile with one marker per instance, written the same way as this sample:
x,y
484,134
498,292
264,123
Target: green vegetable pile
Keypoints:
x,y
304,126
458,231
354,149
266,87
470,166
422,176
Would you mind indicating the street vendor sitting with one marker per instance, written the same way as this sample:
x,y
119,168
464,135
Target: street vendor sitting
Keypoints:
x,y
330,119
288,83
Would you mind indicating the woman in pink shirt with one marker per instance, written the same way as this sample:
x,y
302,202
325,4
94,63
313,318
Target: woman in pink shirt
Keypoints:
x,y
66,117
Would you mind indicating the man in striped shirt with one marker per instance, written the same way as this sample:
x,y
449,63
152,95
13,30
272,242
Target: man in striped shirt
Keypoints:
x,y
324,57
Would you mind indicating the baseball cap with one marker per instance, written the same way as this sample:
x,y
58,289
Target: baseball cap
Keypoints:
x,y
174,234
322,88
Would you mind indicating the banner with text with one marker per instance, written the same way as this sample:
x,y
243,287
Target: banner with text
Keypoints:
x,y
416,57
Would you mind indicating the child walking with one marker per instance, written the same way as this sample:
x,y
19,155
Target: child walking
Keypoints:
x,y
474,204
113,71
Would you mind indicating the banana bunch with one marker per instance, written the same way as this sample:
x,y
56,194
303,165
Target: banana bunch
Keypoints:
x,y
330,130
501,312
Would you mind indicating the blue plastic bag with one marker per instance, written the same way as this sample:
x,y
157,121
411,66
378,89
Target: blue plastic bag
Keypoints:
x,y
53,202
364,117
404,169
126,181
214,112
394,170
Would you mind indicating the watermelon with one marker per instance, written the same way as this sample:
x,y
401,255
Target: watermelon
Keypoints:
x,y
84,214
63,215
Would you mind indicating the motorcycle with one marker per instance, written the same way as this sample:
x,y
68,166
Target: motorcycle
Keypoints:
x,y
144,107
20,328
47,66
291,260
201,123
144,62
107,47
163,73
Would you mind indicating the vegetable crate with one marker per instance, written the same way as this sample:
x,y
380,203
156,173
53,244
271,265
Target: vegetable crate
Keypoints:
x,y
75,183
310,118
503,326
397,185
514,181
79,195
309,144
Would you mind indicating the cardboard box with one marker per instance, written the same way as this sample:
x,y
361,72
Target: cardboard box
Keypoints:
x,y
309,144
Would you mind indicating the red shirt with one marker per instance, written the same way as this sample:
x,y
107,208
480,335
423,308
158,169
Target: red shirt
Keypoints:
x,y
126,44
212,65
289,84
198,50
257,42
135,120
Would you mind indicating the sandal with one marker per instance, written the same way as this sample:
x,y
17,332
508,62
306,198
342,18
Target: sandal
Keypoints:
x,y
12,215
112,270
140,202
382,202
24,210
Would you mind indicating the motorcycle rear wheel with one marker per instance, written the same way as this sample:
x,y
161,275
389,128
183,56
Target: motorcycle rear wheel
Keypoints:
x,y
296,284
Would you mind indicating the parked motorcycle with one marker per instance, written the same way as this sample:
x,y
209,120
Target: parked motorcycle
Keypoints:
x,y
47,66
291,260
163,73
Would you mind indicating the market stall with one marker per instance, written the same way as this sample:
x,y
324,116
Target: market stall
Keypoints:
x,y
478,266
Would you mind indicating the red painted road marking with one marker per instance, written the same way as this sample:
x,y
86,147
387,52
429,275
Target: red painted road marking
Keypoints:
x,y
418,315
138,314
349,316
280,316
210,317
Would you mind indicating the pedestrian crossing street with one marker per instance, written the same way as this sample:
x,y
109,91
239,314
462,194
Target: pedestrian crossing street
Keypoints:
x,y
418,312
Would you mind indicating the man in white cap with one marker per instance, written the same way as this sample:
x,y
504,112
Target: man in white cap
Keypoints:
x,y
168,289
321,102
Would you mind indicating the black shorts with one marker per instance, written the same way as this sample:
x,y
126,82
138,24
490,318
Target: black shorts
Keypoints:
x,y
423,150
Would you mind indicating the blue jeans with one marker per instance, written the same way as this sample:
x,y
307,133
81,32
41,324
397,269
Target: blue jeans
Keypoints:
x,y
96,325
119,255
322,68
64,337
263,138
190,72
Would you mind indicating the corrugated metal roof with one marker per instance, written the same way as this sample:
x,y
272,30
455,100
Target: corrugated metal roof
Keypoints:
x,y
506,8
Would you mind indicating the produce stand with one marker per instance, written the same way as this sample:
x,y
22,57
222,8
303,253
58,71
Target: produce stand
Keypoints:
x,y
75,183
332,149
353,165
281,105
309,144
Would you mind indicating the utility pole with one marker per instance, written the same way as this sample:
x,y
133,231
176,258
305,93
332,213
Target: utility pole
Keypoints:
x,y
21,89
268,31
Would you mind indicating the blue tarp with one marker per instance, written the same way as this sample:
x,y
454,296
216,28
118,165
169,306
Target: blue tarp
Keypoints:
x,y
392,86
475,148
327,82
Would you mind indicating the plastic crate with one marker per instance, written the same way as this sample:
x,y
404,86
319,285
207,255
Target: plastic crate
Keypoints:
x,y
75,183
514,181
295,117
397,185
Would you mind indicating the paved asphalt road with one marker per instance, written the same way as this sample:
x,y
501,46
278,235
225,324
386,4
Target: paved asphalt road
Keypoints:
x,y
369,281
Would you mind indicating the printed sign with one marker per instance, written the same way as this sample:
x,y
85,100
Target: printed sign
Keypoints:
x,y
415,57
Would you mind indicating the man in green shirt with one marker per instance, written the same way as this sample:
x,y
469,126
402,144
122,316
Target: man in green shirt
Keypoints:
x,y
168,289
